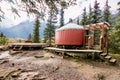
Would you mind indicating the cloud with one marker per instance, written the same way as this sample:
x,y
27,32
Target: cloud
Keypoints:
x,y
71,12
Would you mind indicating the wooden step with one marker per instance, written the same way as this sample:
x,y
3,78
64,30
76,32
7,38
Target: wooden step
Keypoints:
x,y
103,54
112,60
14,48
21,47
108,57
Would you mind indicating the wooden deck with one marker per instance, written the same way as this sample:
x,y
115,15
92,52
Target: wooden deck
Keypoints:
x,y
73,50
20,46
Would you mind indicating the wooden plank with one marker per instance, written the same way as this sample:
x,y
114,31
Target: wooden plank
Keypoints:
x,y
112,60
108,57
103,54
26,44
73,50
21,47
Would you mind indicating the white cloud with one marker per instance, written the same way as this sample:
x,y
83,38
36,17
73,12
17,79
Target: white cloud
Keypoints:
x,y
74,11
71,12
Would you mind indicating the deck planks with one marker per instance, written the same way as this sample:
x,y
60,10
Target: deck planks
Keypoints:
x,y
73,50
20,46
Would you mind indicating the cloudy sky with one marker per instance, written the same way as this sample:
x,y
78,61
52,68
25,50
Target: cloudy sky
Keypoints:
x,y
71,12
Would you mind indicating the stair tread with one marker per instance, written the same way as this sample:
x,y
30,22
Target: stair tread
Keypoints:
x,y
108,57
103,54
112,60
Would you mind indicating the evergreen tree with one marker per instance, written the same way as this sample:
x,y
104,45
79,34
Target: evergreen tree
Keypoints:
x,y
62,17
96,18
37,7
90,15
49,31
84,20
96,13
1,34
119,9
3,39
106,15
78,21
35,37
63,6
115,36
29,37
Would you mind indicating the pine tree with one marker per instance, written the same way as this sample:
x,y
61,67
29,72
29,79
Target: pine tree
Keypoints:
x,y
106,15
1,34
119,9
63,6
35,37
29,37
96,18
90,15
78,21
3,39
96,13
84,20
49,31
62,17
115,35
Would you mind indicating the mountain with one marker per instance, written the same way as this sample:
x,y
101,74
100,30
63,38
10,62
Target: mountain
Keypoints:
x,y
6,22
22,30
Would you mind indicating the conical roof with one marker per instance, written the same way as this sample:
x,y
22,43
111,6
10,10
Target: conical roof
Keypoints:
x,y
70,26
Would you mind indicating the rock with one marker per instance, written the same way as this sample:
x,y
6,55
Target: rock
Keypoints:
x,y
38,56
99,76
3,48
55,68
3,61
11,52
52,56
1,78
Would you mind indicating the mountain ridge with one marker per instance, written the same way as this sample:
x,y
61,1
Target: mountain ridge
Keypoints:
x,y
22,30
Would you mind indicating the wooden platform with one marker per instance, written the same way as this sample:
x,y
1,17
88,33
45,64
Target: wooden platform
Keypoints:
x,y
73,50
20,46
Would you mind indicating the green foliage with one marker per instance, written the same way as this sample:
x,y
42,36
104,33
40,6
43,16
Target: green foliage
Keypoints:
x,y
84,20
35,37
36,7
49,31
116,56
62,18
115,36
96,13
29,37
90,15
119,8
78,21
3,40
63,6
115,39
106,15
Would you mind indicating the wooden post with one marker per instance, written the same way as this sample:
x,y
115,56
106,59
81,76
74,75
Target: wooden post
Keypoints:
x,y
106,41
89,42
101,43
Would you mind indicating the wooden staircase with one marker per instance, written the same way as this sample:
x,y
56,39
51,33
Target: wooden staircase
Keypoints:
x,y
106,57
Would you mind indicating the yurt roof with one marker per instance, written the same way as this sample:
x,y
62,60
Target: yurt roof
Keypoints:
x,y
70,26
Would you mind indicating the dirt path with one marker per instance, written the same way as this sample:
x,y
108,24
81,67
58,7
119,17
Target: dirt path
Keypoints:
x,y
42,65
98,71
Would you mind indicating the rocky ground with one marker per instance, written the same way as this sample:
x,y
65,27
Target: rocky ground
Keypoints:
x,y
42,65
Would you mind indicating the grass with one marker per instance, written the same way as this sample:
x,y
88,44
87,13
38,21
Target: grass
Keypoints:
x,y
116,56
